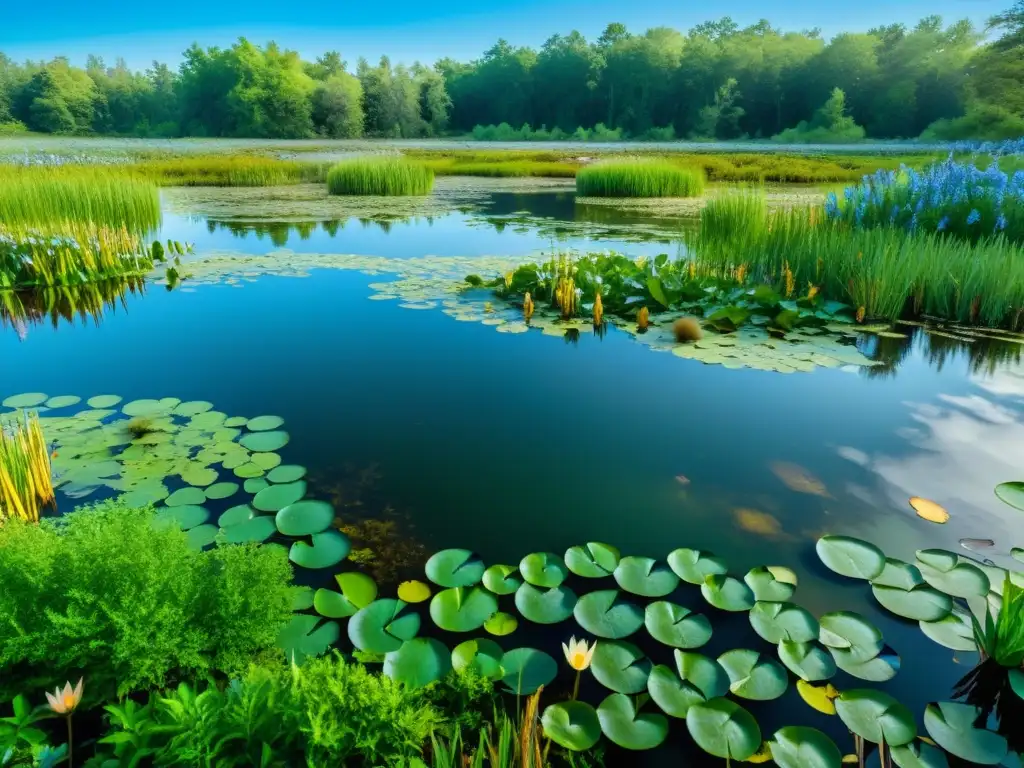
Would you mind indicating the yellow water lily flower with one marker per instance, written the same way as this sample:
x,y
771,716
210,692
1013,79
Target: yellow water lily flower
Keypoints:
x,y
64,702
577,653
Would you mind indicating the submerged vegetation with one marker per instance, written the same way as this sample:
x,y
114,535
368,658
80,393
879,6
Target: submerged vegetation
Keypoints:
x,y
622,178
379,176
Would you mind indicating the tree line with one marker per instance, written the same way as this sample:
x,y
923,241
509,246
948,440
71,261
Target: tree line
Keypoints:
x,y
717,80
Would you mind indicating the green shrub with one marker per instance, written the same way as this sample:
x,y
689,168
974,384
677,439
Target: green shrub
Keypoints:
x,y
830,125
986,122
623,178
13,128
109,593
379,176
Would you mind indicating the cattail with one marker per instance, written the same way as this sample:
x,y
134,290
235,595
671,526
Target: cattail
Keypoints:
x,y
790,282
643,319
812,290
527,306
860,314
741,272
598,309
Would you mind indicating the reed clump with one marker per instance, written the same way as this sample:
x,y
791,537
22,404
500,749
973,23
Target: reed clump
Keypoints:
x,y
43,196
379,176
26,485
623,178
745,209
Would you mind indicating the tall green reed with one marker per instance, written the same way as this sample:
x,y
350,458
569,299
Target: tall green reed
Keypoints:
x,y
379,176
230,171
624,178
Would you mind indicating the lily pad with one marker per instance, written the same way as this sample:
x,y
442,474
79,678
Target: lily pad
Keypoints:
x,y
543,569
266,461
851,557
819,697
300,518
264,423
63,401
922,603
874,716
501,624
953,631
527,669
234,422
502,579
185,516
605,613
185,497
358,588
645,576
676,626
918,754
693,565
102,401
201,536
593,560
879,669
462,609
413,591
302,598
143,408
27,400
246,470
256,529
382,626
304,637
752,676
573,725
778,622
327,549
332,604
727,593
221,491
254,484
946,572
848,630
276,497
724,729
771,582
193,408
199,476
929,510
898,574
264,442
286,473
481,655
808,661
952,726
673,695
624,724
620,666
455,568
545,606
1008,493
236,516
419,662
799,747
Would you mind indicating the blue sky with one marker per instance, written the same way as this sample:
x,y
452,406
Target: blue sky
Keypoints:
x,y
406,30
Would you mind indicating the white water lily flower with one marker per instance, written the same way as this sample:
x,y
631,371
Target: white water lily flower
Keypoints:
x,y
578,654
64,702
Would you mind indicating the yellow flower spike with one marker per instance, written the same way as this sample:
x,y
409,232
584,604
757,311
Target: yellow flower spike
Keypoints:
x,y
860,314
643,319
812,291
598,309
508,279
527,306
65,702
790,282
741,272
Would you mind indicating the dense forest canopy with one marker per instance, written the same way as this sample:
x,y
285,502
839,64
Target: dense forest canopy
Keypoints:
x,y
715,81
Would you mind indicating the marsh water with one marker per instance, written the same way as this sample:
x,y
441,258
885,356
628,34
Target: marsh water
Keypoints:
x,y
508,444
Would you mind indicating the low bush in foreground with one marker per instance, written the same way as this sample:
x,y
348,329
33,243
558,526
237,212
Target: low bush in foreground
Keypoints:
x,y
639,179
379,176
112,593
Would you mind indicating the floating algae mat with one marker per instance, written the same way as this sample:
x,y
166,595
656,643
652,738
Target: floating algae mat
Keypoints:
x,y
438,283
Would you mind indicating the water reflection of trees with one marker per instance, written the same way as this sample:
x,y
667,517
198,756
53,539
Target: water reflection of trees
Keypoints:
x,y
55,305
278,232
984,354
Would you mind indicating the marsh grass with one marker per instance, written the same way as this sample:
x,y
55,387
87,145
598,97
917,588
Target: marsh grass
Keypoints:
x,y
26,485
644,178
41,196
69,254
242,170
379,176
739,209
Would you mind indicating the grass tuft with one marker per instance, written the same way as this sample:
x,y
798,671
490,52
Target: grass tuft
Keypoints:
x,y
639,179
379,176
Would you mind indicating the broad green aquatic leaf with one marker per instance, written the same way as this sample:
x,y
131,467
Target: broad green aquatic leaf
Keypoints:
x,y
199,476
304,637
333,605
455,568
208,421
63,401
264,442
220,491
724,729
851,557
302,598
918,754
382,626
572,725
874,715
266,461
922,603
527,669
236,515
358,588
462,609
148,408
264,423
899,575
543,569
419,662
27,400
645,576
752,676
501,624
102,401
808,661
545,606
848,630
771,583
201,536
952,726
189,409
819,697
1008,493
676,626
185,497
673,695
326,549
413,591
947,573
593,560
185,516
624,724
620,666
502,579
299,518
607,614
776,622
234,422
481,655
254,484
799,747
286,473
276,497
256,529
953,631
882,667
692,565
727,593
245,469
